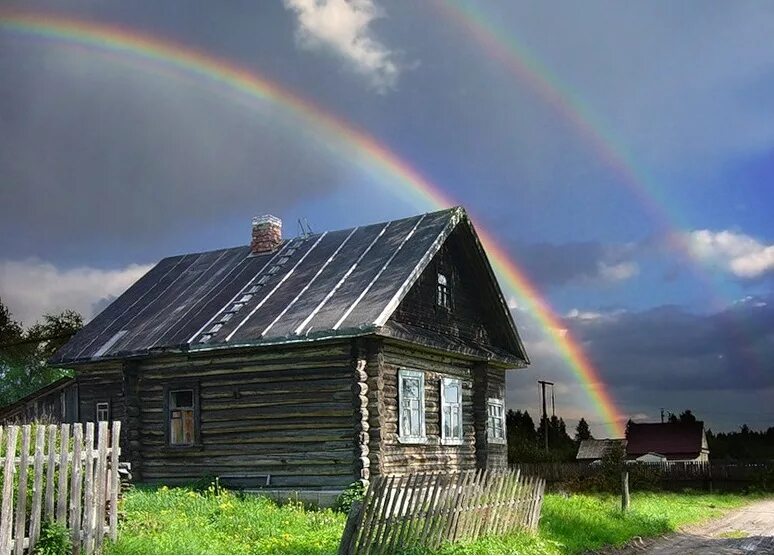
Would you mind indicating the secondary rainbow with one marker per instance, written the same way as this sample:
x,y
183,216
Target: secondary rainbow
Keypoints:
x,y
371,153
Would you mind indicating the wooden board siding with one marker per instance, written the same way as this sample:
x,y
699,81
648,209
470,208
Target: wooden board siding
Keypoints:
x,y
473,306
283,412
396,457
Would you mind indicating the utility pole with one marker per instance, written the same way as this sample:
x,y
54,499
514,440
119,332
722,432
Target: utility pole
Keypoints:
x,y
553,401
545,412
662,415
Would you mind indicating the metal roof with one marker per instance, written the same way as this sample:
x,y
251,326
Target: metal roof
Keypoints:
x,y
597,448
340,283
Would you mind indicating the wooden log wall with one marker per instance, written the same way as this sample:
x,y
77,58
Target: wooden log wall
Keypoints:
x,y
287,413
489,382
100,382
396,457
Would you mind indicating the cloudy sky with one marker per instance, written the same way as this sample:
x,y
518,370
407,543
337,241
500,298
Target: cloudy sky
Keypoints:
x,y
623,155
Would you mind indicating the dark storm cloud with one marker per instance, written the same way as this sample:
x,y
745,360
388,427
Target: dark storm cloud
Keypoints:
x,y
669,346
576,262
93,149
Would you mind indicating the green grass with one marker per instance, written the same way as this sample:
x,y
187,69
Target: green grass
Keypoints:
x,y
587,523
184,521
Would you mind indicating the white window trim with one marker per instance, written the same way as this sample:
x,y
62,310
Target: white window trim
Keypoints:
x,y
102,406
499,402
407,439
451,441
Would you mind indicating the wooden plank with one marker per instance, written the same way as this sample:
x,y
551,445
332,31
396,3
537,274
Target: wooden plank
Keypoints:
x,y
101,480
21,494
75,486
88,493
419,494
381,517
115,484
398,521
350,527
370,502
37,485
64,452
439,525
384,529
429,514
6,504
512,495
457,508
370,523
50,469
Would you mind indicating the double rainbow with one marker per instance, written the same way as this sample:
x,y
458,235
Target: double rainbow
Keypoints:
x,y
368,149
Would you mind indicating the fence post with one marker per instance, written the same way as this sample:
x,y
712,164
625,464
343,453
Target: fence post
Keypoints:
x,y
353,518
625,490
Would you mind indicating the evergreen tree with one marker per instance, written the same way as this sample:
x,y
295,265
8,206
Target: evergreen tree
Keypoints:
x,y
582,431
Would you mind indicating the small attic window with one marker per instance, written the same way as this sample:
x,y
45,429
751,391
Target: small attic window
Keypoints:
x,y
443,292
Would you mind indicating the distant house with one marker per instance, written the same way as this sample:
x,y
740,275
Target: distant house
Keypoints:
x,y
595,449
310,362
671,442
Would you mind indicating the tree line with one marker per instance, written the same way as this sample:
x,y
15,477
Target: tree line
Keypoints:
x,y
526,442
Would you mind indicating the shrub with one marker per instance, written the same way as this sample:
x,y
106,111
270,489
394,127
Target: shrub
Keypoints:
x,y
54,539
355,491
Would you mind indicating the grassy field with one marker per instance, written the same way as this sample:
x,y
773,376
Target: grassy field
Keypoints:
x,y
586,523
183,521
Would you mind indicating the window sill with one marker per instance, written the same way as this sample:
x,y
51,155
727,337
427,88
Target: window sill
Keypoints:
x,y
500,441
412,439
185,447
452,441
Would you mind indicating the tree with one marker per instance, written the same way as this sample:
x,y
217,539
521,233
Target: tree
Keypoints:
x,y
24,354
672,418
687,416
582,431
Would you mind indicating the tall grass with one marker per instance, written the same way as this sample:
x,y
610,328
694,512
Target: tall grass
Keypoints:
x,y
185,521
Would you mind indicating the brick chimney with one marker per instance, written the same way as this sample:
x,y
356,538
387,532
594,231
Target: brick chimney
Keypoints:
x,y
267,234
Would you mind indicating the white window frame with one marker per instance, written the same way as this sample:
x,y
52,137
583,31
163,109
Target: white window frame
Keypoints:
x,y
456,407
102,406
409,439
443,291
490,430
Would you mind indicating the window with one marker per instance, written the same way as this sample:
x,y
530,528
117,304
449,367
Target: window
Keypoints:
x,y
182,415
496,422
103,411
443,297
411,408
451,411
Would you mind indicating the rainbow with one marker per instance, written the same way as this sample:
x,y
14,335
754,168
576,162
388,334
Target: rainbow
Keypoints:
x,y
523,65
369,151
517,59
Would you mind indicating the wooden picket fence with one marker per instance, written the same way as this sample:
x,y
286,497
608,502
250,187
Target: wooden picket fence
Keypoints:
x,y
421,511
62,477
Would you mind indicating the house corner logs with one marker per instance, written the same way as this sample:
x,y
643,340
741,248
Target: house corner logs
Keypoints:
x,y
132,440
375,382
361,426
480,387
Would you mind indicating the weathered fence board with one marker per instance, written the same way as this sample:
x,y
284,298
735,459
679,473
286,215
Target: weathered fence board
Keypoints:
x,y
424,510
80,489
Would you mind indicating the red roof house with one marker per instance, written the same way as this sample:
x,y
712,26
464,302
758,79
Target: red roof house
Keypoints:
x,y
675,441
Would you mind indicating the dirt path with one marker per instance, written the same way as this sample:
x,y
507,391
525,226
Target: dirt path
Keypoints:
x,y
749,530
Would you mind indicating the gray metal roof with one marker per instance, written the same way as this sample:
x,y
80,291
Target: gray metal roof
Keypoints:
x,y
597,448
340,283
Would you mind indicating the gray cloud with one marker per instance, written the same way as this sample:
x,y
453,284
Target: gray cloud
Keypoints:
x,y
95,150
584,263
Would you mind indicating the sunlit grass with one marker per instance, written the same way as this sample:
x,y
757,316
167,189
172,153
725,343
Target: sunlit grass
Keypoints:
x,y
184,521
585,523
